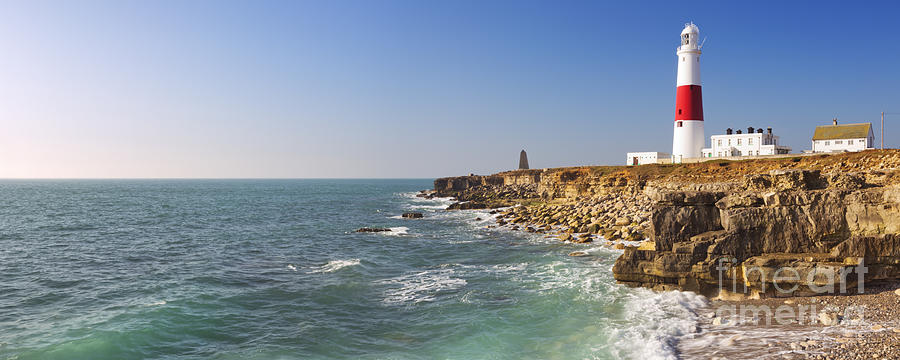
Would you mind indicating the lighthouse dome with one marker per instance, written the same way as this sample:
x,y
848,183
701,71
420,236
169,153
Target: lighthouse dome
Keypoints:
x,y
690,28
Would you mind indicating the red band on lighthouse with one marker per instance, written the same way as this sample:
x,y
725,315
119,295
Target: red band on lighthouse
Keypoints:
x,y
688,103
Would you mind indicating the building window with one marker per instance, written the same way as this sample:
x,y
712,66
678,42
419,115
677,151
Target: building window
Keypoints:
x,y
838,142
739,141
720,142
849,142
827,143
750,141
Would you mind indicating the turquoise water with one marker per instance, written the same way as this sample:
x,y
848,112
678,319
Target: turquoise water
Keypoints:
x,y
271,269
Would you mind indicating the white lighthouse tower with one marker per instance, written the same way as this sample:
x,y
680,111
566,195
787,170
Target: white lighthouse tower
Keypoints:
x,y
688,135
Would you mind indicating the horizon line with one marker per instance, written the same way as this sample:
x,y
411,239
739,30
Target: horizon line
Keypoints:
x,y
216,178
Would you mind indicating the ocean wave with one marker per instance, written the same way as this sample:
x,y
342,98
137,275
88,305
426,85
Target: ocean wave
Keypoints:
x,y
396,231
428,207
655,321
334,265
439,203
419,287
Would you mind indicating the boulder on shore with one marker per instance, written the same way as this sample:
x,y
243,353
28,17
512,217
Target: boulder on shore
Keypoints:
x,y
412,215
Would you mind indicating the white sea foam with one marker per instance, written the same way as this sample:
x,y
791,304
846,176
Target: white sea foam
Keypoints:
x,y
429,207
291,267
335,265
421,286
437,203
397,231
655,321
649,324
157,303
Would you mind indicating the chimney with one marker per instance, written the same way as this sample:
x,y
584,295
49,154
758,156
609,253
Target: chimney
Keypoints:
x,y
750,130
739,132
759,131
770,130
728,131
834,121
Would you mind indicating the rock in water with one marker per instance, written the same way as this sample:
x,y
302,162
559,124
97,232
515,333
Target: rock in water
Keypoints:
x,y
367,229
523,160
412,215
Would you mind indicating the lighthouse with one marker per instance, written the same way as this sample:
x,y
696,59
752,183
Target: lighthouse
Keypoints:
x,y
688,136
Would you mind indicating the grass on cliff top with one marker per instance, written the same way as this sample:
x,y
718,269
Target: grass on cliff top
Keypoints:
x,y
719,170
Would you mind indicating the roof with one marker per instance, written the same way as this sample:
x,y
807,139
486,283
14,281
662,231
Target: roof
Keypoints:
x,y
844,131
690,28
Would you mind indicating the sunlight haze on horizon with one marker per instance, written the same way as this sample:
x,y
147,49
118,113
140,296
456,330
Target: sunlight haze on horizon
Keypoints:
x,y
402,89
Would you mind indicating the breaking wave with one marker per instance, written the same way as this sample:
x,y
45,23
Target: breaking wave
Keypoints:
x,y
335,265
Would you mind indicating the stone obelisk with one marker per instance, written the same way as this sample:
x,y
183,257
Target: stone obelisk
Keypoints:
x,y
523,160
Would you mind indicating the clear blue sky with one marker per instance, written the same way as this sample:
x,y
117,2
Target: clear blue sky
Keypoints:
x,y
415,88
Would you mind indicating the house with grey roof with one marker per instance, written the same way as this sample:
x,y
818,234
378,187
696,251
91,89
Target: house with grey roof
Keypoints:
x,y
841,138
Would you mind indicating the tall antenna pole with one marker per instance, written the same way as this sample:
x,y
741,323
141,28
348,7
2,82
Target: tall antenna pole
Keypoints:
x,y
882,130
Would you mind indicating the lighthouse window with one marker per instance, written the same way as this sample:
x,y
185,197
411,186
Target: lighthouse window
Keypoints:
x,y
679,123
679,111
682,59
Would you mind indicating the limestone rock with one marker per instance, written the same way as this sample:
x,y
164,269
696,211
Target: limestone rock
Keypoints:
x,y
467,205
412,215
795,219
829,319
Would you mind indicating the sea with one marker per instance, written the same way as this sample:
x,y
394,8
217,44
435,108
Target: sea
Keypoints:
x,y
273,269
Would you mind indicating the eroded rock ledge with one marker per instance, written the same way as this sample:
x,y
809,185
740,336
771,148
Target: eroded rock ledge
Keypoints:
x,y
815,214
736,236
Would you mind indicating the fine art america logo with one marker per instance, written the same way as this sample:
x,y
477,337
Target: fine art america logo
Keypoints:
x,y
785,281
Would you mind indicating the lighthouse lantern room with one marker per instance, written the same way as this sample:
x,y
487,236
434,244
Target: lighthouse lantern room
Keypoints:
x,y
688,137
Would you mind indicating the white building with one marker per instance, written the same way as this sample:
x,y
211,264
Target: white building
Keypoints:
x,y
736,143
646,157
840,138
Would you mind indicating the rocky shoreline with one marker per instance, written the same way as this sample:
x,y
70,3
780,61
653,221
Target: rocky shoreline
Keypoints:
x,y
871,331
697,227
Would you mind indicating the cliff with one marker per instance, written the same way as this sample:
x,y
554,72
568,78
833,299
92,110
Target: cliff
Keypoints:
x,y
714,222
587,181
735,237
